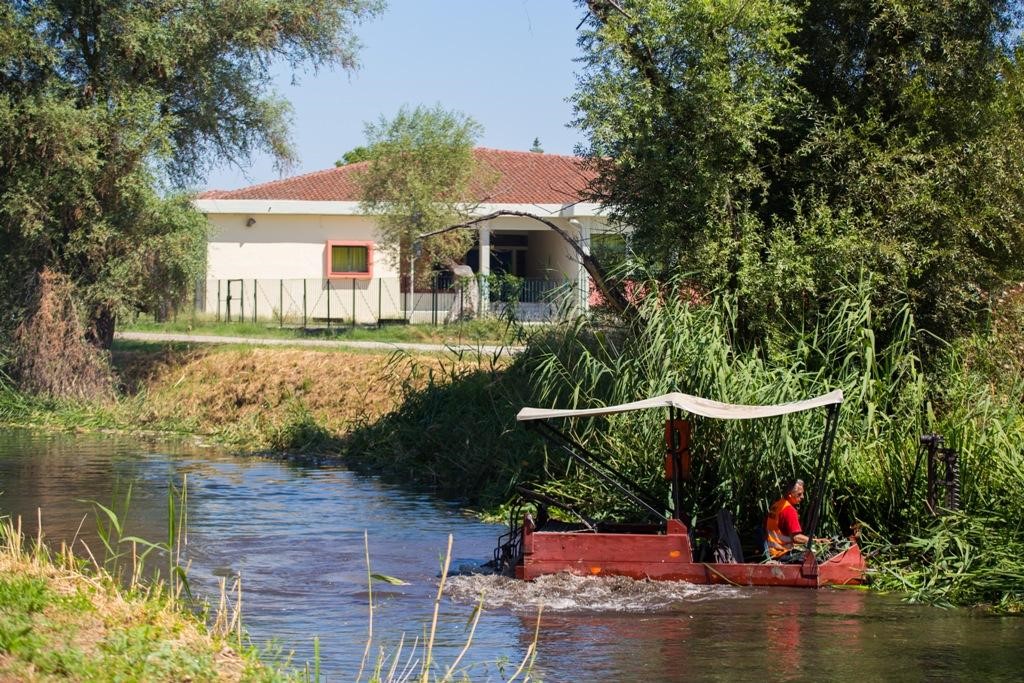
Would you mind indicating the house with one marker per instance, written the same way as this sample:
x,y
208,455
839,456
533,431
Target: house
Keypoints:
x,y
301,247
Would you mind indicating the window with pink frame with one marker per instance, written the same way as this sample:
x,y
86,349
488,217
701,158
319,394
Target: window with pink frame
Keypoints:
x,y
349,260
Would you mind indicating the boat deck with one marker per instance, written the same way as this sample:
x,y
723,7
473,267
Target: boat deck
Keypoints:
x,y
669,557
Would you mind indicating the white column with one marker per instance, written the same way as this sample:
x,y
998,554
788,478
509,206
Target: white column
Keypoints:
x,y
582,278
410,310
485,269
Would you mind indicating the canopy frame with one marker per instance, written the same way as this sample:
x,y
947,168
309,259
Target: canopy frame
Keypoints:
x,y
677,403
585,457
691,404
821,471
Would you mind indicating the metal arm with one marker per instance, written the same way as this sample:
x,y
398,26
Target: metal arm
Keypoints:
x,y
576,451
824,458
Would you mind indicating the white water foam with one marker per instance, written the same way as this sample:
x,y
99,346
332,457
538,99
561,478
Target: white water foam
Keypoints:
x,y
566,592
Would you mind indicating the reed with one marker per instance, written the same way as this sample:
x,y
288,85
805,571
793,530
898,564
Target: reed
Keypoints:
x,y
960,559
400,666
892,397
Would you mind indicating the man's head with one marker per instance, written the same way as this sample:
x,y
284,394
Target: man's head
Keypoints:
x,y
794,491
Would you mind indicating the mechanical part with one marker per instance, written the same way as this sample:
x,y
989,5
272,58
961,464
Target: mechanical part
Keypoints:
x,y
946,459
510,544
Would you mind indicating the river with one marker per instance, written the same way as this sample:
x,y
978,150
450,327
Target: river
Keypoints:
x,y
295,536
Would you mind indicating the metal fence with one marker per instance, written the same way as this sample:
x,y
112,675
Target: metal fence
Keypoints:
x,y
319,302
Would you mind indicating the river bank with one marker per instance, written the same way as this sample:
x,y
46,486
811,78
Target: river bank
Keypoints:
x,y
317,404
61,619
249,398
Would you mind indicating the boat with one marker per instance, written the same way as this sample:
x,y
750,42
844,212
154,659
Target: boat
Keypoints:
x,y
661,546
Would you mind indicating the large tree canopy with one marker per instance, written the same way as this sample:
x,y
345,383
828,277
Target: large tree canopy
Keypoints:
x,y
107,106
779,149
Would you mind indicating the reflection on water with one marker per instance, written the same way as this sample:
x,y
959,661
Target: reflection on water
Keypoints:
x,y
616,629
295,536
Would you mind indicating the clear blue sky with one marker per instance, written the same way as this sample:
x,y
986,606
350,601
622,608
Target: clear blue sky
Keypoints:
x,y
507,63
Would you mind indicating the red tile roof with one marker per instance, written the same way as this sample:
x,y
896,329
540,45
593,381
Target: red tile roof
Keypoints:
x,y
523,178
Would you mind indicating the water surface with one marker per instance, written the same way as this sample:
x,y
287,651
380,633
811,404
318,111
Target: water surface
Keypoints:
x,y
295,535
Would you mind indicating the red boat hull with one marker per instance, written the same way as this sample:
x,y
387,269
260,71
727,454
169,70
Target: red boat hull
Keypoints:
x,y
668,557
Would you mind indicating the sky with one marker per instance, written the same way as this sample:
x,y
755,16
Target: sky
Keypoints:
x,y
507,63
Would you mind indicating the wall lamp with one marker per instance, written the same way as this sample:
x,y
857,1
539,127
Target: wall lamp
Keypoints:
x,y
250,221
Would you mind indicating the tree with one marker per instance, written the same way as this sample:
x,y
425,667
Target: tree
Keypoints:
x,y
677,99
535,147
354,156
910,152
109,107
421,177
425,185
780,149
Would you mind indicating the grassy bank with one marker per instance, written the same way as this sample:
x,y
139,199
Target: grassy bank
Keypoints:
x,y
62,619
250,399
440,421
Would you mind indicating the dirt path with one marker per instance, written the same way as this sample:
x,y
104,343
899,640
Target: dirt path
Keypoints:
x,y
487,349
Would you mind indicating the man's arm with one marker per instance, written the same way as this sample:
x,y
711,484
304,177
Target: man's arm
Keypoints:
x,y
789,524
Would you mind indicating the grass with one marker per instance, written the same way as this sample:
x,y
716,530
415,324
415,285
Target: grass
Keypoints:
x,y
249,398
489,331
62,618
454,431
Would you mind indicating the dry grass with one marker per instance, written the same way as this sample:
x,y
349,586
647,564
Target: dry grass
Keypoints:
x,y
53,357
230,391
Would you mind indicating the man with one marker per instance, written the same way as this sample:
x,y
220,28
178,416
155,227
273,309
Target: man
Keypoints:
x,y
782,527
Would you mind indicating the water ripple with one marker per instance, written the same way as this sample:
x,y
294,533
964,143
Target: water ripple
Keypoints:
x,y
566,592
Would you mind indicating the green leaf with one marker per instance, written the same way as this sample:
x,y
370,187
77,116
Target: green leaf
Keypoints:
x,y
389,579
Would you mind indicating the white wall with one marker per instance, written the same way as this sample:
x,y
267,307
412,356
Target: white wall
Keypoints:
x,y
550,257
281,258
285,246
282,245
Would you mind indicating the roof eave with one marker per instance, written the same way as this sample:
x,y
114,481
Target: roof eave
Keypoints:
x,y
349,208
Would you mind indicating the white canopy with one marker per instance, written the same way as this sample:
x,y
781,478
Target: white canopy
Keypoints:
x,y
691,404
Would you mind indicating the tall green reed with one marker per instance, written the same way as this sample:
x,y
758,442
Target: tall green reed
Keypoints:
x,y
118,546
419,663
891,398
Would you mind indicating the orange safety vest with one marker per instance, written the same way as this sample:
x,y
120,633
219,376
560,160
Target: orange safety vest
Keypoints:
x,y
778,543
